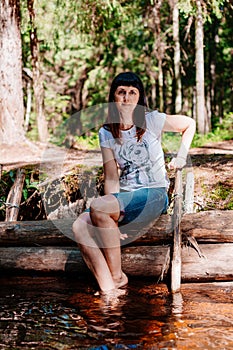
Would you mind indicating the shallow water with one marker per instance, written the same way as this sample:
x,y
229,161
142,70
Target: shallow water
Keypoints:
x,y
38,312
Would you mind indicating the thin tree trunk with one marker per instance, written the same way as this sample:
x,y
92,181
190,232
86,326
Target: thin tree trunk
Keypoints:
x,y
29,105
153,93
28,78
178,93
75,122
160,80
159,48
215,40
208,109
202,125
194,104
187,101
38,87
11,86
221,99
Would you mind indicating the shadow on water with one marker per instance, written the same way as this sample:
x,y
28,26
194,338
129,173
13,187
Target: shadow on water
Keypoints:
x,y
38,312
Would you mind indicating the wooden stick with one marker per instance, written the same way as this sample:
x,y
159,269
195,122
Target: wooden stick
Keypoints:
x,y
176,256
14,196
189,192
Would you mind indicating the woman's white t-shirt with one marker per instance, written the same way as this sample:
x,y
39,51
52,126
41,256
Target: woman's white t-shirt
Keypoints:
x,y
141,163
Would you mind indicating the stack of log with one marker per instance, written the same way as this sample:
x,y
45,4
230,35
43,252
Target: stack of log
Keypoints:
x,y
48,246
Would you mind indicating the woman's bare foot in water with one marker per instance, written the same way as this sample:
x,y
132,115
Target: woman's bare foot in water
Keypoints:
x,y
112,298
121,282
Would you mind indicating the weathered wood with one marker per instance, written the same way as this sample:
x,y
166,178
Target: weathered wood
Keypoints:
x,y
37,233
136,261
43,155
206,227
189,192
43,259
176,253
217,266
14,196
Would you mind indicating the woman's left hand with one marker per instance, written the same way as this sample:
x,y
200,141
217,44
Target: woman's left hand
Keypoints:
x,y
177,163
123,236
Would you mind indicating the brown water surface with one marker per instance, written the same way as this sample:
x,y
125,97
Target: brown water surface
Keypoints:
x,y
63,312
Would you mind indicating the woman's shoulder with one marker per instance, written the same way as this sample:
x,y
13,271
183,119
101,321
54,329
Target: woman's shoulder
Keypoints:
x,y
105,135
151,114
104,130
155,119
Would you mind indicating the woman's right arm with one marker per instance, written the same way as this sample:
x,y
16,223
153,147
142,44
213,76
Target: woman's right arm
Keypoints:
x,y
111,176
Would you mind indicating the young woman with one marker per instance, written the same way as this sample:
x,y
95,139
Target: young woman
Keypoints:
x,y
135,179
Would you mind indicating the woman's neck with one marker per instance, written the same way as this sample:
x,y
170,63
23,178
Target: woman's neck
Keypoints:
x,y
126,126
126,121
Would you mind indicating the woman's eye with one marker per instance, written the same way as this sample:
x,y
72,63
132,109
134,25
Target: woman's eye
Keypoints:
x,y
133,92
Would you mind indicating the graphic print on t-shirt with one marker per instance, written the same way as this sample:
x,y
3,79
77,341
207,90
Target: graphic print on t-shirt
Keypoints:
x,y
137,161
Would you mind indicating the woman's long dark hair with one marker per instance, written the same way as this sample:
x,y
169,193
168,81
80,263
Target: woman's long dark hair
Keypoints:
x,y
113,120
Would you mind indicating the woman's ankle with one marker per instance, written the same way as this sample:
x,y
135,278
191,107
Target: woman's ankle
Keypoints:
x,y
121,281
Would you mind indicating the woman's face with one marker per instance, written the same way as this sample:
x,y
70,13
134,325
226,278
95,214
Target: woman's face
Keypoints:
x,y
126,98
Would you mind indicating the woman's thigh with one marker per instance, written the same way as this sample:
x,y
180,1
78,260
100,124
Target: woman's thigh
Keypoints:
x,y
105,205
141,206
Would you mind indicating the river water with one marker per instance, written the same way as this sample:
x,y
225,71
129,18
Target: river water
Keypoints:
x,y
66,313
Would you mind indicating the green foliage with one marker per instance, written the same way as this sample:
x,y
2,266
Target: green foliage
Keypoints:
x,y
171,142
90,142
223,131
209,7
219,195
83,44
7,180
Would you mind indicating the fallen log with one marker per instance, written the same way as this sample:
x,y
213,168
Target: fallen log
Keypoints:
x,y
37,233
206,227
136,261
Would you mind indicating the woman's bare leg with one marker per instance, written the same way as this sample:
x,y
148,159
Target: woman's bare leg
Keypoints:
x,y
92,254
98,237
104,215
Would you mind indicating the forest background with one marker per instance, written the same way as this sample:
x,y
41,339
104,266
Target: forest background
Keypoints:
x,y
58,58
69,52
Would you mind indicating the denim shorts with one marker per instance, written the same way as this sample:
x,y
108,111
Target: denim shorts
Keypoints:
x,y
138,209
141,206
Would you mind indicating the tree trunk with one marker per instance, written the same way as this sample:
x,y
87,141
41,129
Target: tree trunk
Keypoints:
x,y
27,75
212,62
208,110
77,93
136,261
207,227
74,126
11,86
159,48
42,246
29,105
38,87
160,80
176,39
202,125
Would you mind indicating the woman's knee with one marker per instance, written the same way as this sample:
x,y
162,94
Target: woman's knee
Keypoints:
x,y
80,224
106,205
